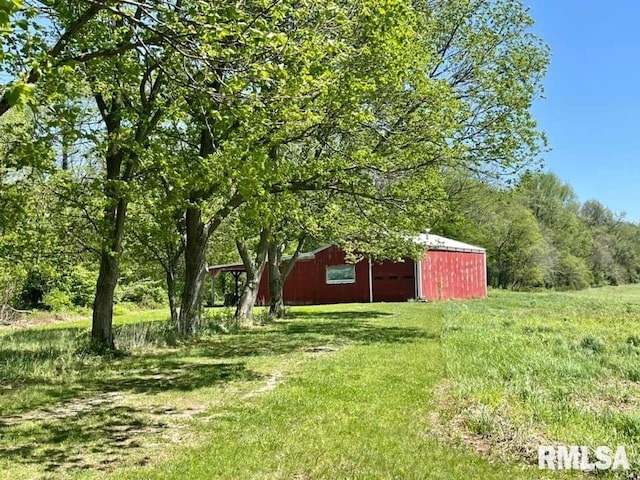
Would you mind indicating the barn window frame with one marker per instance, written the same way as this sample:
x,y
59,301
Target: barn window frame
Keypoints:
x,y
343,279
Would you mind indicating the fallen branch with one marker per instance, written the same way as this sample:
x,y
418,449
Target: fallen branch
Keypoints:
x,y
8,314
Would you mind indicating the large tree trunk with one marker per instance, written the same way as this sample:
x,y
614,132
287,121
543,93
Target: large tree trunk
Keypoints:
x,y
244,310
254,268
195,271
276,301
278,274
114,221
101,330
120,164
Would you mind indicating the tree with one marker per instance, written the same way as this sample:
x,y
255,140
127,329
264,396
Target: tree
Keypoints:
x,y
307,75
431,108
615,253
158,237
42,38
127,89
514,246
555,206
254,266
595,214
361,105
279,269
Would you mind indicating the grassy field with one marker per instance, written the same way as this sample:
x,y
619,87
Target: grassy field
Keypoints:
x,y
525,370
453,391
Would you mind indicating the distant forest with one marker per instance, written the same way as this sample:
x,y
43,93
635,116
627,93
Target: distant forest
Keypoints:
x,y
539,235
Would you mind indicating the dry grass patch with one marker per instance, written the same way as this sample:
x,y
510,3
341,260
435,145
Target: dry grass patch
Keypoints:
x,y
493,432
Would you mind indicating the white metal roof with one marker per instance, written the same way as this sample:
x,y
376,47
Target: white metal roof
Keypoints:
x,y
436,242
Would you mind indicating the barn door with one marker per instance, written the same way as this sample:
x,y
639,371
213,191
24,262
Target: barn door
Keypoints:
x,y
393,281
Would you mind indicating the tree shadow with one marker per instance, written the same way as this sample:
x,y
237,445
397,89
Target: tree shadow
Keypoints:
x,y
40,335
21,360
340,315
93,439
359,331
57,441
307,330
140,374
89,428
36,363
165,374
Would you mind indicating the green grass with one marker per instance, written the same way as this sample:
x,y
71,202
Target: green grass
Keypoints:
x,y
453,390
554,368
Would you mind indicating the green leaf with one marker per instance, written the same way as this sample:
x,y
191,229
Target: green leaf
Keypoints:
x,y
19,94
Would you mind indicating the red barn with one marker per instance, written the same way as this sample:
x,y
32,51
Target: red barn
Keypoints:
x,y
448,270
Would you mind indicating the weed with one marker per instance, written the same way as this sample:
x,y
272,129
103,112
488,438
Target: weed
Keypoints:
x,y
481,422
593,343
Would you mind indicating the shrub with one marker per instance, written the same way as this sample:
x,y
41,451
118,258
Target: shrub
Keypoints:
x,y
57,301
35,286
81,285
145,293
57,288
11,278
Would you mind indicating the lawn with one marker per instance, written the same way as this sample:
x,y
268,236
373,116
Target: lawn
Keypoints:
x,y
453,390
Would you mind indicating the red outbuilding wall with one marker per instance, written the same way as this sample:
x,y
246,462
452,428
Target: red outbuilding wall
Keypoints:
x,y
441,275
448,275
306,284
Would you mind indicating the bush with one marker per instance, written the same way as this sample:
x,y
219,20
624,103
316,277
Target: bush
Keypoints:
x,y
81,285
57,300
57,288
36,285
145,293
11,278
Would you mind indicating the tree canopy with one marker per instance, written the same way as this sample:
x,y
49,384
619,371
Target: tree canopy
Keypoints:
x,y
151,131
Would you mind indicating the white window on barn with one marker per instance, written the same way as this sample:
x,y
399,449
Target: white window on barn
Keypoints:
x,y
339,274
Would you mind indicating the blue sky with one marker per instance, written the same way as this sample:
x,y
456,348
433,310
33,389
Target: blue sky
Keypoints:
x,y
592,92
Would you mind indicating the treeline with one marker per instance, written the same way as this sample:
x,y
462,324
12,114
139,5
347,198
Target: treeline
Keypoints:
x,y
538,234
141,140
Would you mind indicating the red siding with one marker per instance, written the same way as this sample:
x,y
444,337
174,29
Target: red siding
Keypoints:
x,y
447,275
306,284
